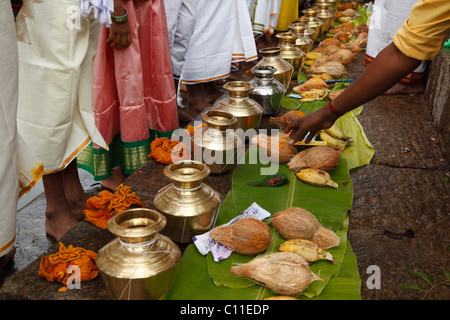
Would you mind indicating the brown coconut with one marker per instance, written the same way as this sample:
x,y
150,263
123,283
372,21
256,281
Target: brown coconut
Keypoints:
x,y
277,148
284,120
285,273
247,236
325,238
323,158
296,223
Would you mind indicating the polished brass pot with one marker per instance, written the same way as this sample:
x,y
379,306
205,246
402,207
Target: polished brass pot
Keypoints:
x,y
290,52
304,42
189,205
140,264
217,145
272,57
247,111
301,27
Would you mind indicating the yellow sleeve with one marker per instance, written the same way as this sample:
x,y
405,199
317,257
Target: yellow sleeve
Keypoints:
x,y
422,34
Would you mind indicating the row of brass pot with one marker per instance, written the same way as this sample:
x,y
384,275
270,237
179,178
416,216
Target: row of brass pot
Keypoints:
x,y
141,263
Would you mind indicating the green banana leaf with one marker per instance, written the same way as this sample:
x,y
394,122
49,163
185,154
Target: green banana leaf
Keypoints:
x,y
329,205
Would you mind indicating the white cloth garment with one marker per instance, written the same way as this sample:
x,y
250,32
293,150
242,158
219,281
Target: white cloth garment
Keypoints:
x,y
266,14
55,118
387,17
222,35
8,130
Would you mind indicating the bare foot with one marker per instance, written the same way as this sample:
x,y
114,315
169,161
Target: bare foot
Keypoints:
x,y
4,260
116,179
59,220
404,88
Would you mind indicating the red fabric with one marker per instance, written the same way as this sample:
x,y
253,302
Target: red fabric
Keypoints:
x,y
133,88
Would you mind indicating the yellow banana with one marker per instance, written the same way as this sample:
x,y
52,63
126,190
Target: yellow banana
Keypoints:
x,y
316,177
313,55
308,62
280,298
336,132
331,141
309,250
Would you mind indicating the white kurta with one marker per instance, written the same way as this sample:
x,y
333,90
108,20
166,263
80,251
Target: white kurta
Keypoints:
x,y
8,130
209,36
55,118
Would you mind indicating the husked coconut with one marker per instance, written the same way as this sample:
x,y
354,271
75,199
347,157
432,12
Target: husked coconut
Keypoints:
x,y
323,158
247,236
277,148
298,223
285,273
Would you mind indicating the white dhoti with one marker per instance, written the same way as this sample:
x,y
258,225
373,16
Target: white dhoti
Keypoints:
x,y
266,15
8,129
387,17
55,118
222,34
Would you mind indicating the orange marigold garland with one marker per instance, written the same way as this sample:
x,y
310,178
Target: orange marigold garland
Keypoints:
x,y
99,209
166,151
54,267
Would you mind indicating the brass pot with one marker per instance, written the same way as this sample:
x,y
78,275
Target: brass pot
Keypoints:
x,y
327,17
140,264
246,110
317,25
304,42
272,57
216,145
290,52
310,12
300,26
189,205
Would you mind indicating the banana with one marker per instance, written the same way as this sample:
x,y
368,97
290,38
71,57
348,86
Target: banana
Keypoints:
x,y
337,133
309,250
316,177
331,141
308,62
313,55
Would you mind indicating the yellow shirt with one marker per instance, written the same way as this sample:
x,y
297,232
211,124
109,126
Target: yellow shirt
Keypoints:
x,y
422,34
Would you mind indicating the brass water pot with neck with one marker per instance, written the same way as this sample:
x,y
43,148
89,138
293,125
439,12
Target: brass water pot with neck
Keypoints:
x,y
308,31
327,17
304,42
272,57
217,145
189,205
290,52
247,111
140,264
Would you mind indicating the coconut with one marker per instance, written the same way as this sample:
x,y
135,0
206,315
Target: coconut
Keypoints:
x,y
323,158
277,148
247,236
285,273
284,120
325,238
296,223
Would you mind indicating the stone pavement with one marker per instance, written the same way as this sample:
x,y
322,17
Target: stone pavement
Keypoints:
x,y
399,219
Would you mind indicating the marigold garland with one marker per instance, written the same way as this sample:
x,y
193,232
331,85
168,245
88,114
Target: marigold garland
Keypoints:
x,y
54,267
99,209
166,151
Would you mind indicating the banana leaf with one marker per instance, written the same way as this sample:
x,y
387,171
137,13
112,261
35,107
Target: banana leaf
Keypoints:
x,y
329,205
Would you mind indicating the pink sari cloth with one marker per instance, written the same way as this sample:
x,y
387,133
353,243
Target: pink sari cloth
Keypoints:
x,y
133,89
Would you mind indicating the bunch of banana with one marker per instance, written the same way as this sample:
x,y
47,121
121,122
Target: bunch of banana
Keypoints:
x,y
309,250
316,177
311,57
335,137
